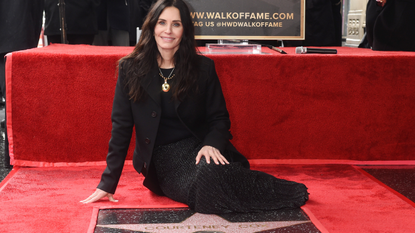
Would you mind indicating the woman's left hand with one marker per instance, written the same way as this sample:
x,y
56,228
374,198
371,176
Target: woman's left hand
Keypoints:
x,y
211,153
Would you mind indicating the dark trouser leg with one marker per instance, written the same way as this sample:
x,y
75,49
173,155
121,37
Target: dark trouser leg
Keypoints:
x,y
3,93
2,74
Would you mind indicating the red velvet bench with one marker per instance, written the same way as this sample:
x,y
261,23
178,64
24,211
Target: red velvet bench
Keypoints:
x,y
358,104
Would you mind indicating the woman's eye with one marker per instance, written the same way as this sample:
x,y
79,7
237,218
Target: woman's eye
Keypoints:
x,y
162,22
176,24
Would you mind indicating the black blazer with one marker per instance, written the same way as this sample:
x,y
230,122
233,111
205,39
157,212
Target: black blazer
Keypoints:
x,y
204,115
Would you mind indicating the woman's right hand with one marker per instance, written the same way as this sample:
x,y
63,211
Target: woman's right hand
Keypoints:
x,y
97,195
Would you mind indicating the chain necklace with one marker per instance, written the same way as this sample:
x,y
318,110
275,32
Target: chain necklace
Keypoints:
x,y
166,87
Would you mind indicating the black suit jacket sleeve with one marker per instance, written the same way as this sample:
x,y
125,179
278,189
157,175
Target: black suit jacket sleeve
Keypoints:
x,y
217,116
122,128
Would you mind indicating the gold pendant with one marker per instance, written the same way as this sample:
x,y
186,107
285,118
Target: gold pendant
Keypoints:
x,y
165,87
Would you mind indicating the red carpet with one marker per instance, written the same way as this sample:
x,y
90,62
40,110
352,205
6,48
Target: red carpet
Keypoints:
x,y
356,105
342,198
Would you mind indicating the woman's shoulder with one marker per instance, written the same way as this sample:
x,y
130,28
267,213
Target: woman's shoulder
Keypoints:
x,y
205,63
204,59
124,61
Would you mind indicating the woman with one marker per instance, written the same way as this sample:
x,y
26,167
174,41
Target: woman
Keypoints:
x,y
173,97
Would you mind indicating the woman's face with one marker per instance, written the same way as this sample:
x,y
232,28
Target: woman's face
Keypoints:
x,y
169,30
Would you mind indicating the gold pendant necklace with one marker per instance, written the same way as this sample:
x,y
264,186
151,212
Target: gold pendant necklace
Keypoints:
x,y
166,87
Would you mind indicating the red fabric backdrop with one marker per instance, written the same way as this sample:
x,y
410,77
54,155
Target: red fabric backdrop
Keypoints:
x,y
356,105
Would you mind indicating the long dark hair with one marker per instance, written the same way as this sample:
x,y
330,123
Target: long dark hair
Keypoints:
x,y
143,59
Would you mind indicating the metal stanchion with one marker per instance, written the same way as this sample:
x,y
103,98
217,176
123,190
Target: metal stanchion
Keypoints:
x,y
62,20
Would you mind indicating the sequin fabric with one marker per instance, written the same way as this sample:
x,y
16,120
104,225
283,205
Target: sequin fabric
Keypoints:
x,y
214,189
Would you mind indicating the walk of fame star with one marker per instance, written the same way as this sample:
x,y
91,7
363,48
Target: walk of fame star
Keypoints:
x,y
206,223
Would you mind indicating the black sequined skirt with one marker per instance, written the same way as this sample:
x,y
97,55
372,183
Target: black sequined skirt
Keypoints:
x,y
213,189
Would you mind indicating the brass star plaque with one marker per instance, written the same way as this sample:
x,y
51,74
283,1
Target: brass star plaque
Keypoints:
x,y
183,220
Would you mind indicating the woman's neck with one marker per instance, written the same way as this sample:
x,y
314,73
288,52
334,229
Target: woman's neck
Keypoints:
x,y
166,61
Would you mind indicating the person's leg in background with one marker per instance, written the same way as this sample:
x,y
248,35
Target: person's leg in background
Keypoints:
x,y
120,37
6,161
20,27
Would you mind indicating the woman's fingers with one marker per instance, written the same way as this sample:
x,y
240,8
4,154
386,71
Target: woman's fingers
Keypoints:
x,y
222,159
218,157
94,197
215,155
198,157
111,198
97,195
211,153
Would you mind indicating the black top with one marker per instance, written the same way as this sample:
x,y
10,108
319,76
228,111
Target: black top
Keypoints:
x,y
171,129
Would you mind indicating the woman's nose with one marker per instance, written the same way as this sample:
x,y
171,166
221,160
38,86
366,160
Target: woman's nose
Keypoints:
x,y
168,28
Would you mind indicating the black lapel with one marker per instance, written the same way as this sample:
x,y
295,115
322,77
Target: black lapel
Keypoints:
x,y
152,86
